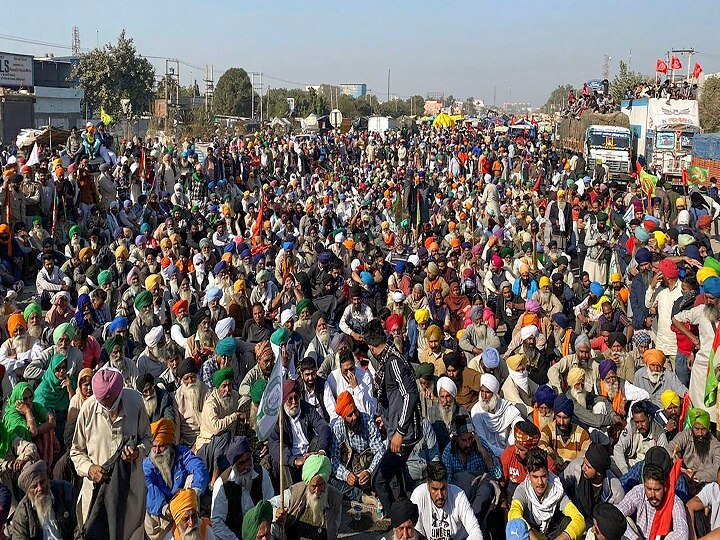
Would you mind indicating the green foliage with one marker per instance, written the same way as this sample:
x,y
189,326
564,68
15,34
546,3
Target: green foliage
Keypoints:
x,y
558,98
626,79
709,105
116,72
233,93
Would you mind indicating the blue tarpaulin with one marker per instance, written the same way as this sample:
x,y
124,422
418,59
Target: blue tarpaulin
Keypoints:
x,y
706,146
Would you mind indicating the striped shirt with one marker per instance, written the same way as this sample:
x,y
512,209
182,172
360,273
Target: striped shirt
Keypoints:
x,y
561,449
367,437
635,505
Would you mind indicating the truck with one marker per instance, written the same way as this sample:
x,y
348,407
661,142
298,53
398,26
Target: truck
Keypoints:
x,y
706,154
604,137
663,132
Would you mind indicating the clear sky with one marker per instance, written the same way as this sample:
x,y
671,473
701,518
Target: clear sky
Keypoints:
x,y
520,49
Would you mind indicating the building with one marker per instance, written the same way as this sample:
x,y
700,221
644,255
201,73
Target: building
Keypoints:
x,y
58,98
355,90
432,107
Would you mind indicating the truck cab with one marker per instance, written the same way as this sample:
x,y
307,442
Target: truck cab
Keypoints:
x,y
612,145
669,149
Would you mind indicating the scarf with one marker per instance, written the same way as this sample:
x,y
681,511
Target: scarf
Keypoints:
x,y
566,342
520,379
14,424
587,497
49,393
617,402
662,522
499,421
456,303
543,510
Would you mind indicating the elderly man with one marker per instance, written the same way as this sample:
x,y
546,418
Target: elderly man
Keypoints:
x,y
180,330
698,448
219,418
146,319
186,521
444,509
112,418
114,347
62,338
641,434
514,457
582,358
493,416
518,388
319,346
158,403
562,439
152,358
588,481
311,507
531,344
442,413
477,337
655,379
190,398
305,433
356,449
433,353
591,410
404,516
48,508
541,501
262,370
224,357
542,411
643,502
353,379
237,490
466,379
168,469
257,523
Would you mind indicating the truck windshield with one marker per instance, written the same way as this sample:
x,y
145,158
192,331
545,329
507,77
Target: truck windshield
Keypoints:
x,y
608,140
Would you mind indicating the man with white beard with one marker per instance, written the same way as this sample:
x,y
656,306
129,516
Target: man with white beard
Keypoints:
x,y
152,359
203,339
583,358
542,413
186,521
237,490
220,412
319,347
189,399
311,505
494,417
479,336
518,388
158,403
655,379
115,348
48,508
62,338
357,381
19,348
168,469
128,298
146,319
591,410
442,413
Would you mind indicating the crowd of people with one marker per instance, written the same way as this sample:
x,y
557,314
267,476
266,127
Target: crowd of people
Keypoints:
x,y
477,337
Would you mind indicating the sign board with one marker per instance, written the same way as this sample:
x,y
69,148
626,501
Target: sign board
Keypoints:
x,y
161,110
291,104
16,70
336,118
672,112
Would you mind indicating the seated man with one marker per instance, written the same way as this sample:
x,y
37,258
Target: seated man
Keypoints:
x,y
262,370
312,386
562,439
444,509
354,379
494,416
639,436
257,522
581,358
219,419
541,501
304,433
617,391
588,481
655,379
190,398
158,403
591,410
356,449
706,527
434,352
668,415
608,523
698,448
442,413
313,508
514,458
168,469
643,501
466,379
542,411
518,388
186,521
404,516
48,508
237,490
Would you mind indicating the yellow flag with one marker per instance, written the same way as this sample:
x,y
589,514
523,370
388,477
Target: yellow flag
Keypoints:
x,y
105,117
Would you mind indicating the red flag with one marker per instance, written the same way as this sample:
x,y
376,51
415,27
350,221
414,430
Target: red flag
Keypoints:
x,y
675,63
684,177
538,183
661,66
697,70
257,226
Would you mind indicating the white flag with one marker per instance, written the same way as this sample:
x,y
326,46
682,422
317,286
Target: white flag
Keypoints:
x,y
270,402
34,158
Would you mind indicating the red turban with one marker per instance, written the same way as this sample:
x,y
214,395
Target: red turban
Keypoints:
x,y
180,304
668,269
392,321
344,404
289,387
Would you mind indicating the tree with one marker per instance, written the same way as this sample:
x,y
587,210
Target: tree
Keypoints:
x,y
709,105
558,98
233,93
626,80
112,73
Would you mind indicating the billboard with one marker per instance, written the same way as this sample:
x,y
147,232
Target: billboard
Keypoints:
x,y
16,70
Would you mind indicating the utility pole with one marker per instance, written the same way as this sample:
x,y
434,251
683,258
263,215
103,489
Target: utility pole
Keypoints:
x,y
606,65
689,52
209,87
388,91
75,41
256,87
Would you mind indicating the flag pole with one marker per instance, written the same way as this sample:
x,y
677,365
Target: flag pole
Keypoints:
x,y
280,456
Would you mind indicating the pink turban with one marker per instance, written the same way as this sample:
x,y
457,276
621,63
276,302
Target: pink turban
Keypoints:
x,y
489,317
107,383
532,306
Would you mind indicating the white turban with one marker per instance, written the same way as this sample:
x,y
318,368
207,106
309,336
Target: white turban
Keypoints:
x,y
446,383
286,315
339,238
55,300
398,296
154,336
490,382
224,327
198,259
355,264
133,271
528,331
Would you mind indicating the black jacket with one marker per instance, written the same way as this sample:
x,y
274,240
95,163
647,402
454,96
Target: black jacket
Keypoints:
x,y
312,425
25,522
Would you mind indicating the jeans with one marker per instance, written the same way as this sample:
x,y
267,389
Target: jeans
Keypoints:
x,y
681,369
392,467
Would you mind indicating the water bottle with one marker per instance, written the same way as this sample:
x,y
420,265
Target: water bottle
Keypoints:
x,y
379,510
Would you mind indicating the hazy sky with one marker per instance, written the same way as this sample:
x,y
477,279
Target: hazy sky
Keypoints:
x,y
521,49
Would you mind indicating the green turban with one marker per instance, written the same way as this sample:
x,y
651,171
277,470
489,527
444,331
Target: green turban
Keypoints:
x,y
305,303
72,230
104,277
256,390
225,347
699,416
601,216
712,262
222,375
32,308
110,343
280,336
142,300
507,252
619,222
36,219
64,329
316,465
425,370
527,246
262,511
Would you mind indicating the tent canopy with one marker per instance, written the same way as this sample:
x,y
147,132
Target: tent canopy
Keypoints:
x,y
443,120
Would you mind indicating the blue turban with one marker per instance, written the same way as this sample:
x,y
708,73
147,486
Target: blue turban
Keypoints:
x,y
118,323
517,528
563,405
491,358
288,246
641,338
400,267
466,245
606,366
242,246
238,447
219,267
711,286
225,347
324,257
596,289
545,395
230,248
475,312
214,293
257,258
245,253
643,255
142,239
367,278
693,252
561,320
641,234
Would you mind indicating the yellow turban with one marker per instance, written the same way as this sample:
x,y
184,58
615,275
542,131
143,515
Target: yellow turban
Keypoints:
x,y
515,361
121,251
598,305
524,268
704,273
151,281
654,356
163,431
165,243
575,375
544,282
422,316
668,397
184,500
433,332
84,253
459,334
615,278
660,239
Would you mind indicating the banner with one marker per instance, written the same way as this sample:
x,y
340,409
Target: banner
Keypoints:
x,y
711,382
105,117
661,66
697,70
34,158
675,63
697,176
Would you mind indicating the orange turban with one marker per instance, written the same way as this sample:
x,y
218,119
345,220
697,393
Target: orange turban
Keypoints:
x,y
180,304
163,431
654,356
15,320
184,500
261,348
344,403
433,332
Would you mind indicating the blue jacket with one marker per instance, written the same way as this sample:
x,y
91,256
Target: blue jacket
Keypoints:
x,y
186,464
637,301
517,287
